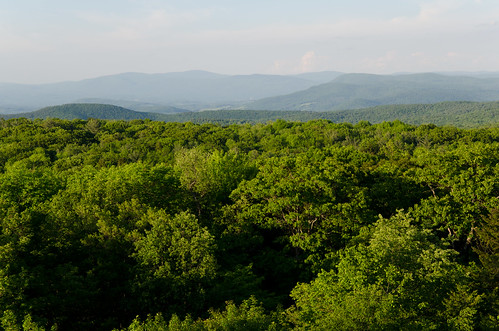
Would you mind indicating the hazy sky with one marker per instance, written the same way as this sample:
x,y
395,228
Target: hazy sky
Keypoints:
x,y
54,40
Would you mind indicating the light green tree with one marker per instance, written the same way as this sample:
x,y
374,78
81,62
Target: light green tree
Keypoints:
x,y
402,278
176,262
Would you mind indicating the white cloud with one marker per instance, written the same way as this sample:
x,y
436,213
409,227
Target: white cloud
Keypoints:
x,y
309,62
435,17
436,9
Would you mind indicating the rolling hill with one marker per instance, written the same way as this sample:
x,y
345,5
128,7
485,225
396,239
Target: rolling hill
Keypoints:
x,y
456,113
459,114
354,91
136,105
85,111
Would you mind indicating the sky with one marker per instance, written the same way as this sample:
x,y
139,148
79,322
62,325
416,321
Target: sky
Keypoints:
x,y
43,41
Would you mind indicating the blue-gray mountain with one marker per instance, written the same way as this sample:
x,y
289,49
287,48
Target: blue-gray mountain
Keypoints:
x,y
191,90
354,91
198,90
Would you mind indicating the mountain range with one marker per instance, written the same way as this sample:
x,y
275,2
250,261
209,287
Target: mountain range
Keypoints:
x,y
191,90
354,91
200,90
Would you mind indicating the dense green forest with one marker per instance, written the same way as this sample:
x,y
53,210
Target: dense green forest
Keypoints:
x,y
147,225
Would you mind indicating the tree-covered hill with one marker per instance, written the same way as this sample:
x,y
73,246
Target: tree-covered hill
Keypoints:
x,y
148,225
136,105
86,110
461,114
351,91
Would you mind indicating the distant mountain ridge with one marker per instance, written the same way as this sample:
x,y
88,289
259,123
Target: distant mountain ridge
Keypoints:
x,y
355,91
192,89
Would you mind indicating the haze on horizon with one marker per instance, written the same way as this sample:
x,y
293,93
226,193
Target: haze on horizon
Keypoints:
x,y
60,40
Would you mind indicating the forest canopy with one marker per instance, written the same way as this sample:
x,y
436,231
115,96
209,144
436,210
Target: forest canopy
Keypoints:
x,y
145,225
